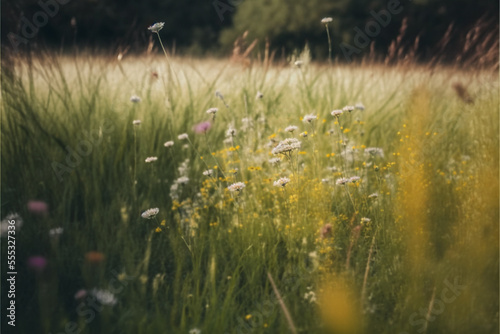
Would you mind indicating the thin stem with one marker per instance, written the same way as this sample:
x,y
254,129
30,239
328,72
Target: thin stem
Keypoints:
x,y
329,44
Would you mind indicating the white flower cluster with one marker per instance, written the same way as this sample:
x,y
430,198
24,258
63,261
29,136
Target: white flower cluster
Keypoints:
x,y
374,152
236,187
281,182
104,297
150,213
286,146
151,159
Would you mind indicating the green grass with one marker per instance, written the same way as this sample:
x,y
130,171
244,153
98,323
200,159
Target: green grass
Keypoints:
x,y
435,220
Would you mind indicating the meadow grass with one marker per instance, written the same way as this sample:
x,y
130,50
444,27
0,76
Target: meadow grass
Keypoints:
x,y
410,247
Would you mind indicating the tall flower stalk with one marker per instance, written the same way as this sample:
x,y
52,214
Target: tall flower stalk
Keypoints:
x,y
325,21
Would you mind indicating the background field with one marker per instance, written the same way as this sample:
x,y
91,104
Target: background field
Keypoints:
x,y
426,261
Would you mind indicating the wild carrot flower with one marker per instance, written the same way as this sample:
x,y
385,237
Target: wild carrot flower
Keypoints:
x,y
135,99
231,132
156,27
137,122
236,187
354,179
348,108
282,182
182,180
169,143
183,136
341,181
150,213
291,128
373,196
150,159
309,118
336,113
326,20
365,220
104,297
208,172
213,112
287,145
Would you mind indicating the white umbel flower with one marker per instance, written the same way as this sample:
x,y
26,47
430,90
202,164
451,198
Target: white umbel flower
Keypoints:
x,y
150,213
309,118
137,122
212,111
169,143
236,187
286,146
291,128
183,136
135,99
150,159
208,172
156,27
104,297
341,181
348,108
281,182
326,20
336,113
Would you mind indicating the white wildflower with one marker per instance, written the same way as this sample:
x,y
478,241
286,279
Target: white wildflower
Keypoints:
x,y
259,95
274,161
137,122
208,172
212,111
359,106
309,118
341,181
236,187
56,231
183,136
374,151
373,196
291,128
348,108
310,297
326,20
135,99
281,182
150,159
336,113
182,180
169,143
104,297
156,27
231,132
365,220
354,179
150,213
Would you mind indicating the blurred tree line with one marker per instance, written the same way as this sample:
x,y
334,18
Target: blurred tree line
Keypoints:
x,y
200,27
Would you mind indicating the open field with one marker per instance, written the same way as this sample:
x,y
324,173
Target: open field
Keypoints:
x,y
382,219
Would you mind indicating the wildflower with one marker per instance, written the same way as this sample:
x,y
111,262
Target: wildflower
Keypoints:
x,y
37,263
326,230
182,180
365,220
38,207
208,172
281,182
336,113
326,20
354,179
158,230
286,146
248,317
212,111
309,118
80,294
373,196
310,297
375,151
135,99
236,187
169,143
303,134
359,106
348,108
291,128
298,63
183,136
274,161
259,96
137,122
341,181
325,180
104,297
56,231
202,127
150,213
156,27
231,132
94,257
150,159
195,331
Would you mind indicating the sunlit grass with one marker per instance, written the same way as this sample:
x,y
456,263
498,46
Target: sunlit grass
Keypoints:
x,y
383,249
